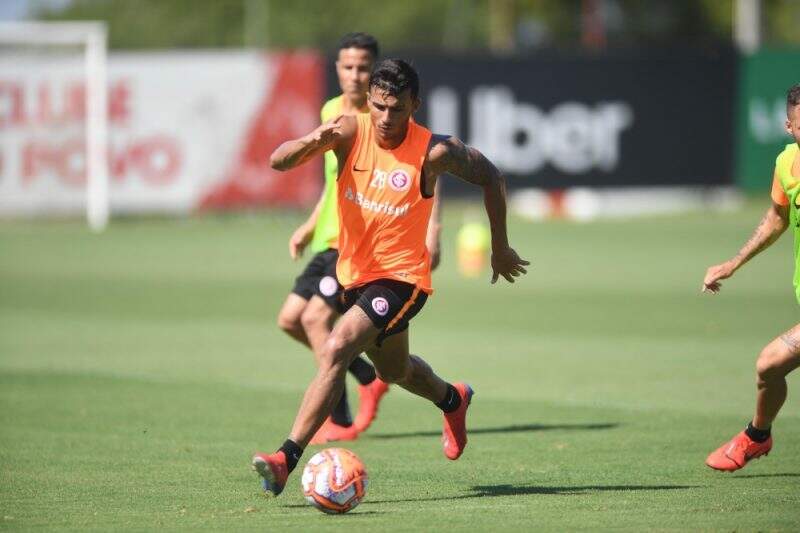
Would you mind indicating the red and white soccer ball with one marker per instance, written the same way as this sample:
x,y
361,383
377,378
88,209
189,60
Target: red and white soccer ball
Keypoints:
x,y
334,480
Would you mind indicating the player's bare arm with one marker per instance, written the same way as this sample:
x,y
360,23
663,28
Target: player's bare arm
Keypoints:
x,y
336,135
448,154
432,238
305,232
772,225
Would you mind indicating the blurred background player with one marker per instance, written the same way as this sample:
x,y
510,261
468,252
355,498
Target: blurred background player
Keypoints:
x,y
314,304
782,355
385,191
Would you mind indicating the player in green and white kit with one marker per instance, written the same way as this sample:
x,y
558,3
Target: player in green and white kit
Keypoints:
x,y
782,355
310,310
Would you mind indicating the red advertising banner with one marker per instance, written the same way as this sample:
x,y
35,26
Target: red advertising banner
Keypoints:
x,y
187,131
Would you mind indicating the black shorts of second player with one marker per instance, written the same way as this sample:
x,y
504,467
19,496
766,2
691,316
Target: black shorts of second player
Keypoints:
x,y
389,304
319,278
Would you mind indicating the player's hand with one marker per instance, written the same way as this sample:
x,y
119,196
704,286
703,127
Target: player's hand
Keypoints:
x,y
299,240
506,263
716,273
328,132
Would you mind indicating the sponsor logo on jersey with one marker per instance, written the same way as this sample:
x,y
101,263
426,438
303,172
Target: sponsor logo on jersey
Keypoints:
x,y
376,207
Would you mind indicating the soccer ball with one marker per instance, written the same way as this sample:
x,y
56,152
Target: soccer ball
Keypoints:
x,y
334,480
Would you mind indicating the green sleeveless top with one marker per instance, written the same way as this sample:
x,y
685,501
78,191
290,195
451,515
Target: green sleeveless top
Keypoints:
x,y
791,187
326,232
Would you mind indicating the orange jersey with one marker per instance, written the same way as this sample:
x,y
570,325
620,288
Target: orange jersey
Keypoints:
x,y
383,217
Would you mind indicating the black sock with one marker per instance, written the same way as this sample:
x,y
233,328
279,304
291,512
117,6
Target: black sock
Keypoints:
x,y
341,411
451,401
292,451
362,371
758,435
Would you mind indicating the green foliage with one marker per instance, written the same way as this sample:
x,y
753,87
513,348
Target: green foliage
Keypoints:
x,y
455,25
161,24
782,21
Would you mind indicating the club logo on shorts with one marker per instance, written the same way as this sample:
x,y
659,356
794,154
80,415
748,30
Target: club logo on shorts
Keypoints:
x,y
399,180
380,305
328,286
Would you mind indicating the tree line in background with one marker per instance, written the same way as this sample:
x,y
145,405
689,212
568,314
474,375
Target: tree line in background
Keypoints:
x,y
502,26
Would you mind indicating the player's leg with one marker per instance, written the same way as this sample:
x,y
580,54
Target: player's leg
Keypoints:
x,y
318,319
352,333
776,361
289,318
396,365
318,323
305,285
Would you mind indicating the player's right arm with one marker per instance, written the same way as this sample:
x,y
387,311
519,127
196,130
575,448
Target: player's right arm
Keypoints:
x,y
337,135
305,232
772,225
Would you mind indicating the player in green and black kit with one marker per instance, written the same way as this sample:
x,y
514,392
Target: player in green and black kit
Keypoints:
x,y
310,310
782,355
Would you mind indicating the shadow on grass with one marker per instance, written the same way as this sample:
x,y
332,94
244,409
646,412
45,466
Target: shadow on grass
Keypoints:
x,y
501,429
484,491
784,474
354,513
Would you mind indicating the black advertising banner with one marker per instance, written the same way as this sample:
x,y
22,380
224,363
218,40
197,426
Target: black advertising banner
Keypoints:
x,y
621,120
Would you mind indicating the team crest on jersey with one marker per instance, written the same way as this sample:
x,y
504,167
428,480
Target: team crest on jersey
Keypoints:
x,y
380,305
399,180
328,286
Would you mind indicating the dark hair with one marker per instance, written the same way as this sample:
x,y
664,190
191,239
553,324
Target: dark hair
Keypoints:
x,y
792,97
364,41
394,76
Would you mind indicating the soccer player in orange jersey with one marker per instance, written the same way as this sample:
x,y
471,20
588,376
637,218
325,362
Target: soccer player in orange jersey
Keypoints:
x,y
388,168
782,355
313,305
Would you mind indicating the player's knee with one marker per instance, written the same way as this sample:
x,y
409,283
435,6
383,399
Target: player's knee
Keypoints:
x,y
289,322
769,365
310,319
334,353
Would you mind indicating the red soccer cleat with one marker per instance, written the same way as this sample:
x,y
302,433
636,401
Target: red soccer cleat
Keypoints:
x,y
369,398
736,453
273,471
454,433
331,432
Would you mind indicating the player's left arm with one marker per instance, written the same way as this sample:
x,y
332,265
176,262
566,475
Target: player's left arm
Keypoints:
x,y
433,237
450,155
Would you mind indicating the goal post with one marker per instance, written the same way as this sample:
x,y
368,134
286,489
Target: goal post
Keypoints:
x,y
92,37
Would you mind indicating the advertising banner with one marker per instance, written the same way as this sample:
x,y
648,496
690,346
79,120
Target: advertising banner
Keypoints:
x,y
187,130
764,79
560,121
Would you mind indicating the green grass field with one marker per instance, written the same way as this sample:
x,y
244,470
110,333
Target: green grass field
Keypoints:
x,y
140,368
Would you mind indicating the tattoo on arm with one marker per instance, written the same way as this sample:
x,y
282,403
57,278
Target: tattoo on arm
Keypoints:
x,y
792,342
765,234
473,167
756,241
470,165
